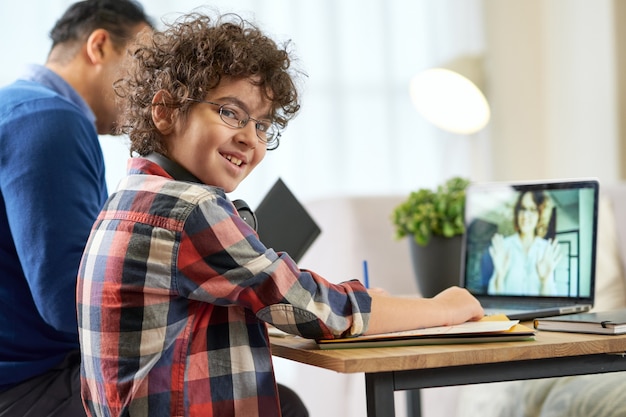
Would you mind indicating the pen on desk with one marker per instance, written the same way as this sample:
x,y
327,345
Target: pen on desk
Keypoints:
x,y
366,277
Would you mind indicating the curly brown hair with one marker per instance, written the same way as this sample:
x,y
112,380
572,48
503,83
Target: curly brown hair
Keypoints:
x,y
188,59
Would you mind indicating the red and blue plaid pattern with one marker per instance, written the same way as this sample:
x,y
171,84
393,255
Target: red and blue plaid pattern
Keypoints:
x,y
173,294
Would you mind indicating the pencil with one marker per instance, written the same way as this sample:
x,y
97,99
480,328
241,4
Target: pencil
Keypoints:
x,y
366,277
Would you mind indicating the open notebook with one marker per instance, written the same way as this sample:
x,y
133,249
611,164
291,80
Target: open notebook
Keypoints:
x,y
526,281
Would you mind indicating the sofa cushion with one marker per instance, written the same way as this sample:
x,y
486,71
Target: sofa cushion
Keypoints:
x,y
577,396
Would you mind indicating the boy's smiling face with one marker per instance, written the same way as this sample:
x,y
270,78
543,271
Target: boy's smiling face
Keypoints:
x,y
216,153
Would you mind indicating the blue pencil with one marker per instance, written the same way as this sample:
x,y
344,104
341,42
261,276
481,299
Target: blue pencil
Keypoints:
x,y
366,277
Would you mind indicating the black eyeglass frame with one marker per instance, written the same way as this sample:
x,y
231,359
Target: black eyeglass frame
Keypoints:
x,y
270,144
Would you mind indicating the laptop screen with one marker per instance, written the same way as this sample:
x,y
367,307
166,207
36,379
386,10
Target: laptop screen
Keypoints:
x,y
531,239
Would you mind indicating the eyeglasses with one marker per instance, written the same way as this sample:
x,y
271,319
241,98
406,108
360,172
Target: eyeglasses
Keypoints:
x,y
234,116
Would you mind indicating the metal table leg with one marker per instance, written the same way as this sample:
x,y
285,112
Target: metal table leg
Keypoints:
x,y
379,389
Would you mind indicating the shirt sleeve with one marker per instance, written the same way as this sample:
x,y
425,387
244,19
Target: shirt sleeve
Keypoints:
x,y
53,185
222,261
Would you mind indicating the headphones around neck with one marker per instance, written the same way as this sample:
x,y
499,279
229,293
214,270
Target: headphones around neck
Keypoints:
x,y
246,213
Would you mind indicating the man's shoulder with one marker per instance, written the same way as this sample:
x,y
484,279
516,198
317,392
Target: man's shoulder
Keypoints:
x,y
45,112
29,96
25,88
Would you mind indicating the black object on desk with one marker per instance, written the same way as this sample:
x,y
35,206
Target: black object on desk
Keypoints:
x,y
284,224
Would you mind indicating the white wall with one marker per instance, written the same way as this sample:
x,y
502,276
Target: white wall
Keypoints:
x,y
552,85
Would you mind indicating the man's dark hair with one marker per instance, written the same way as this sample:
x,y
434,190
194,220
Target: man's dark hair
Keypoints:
x,y
118,17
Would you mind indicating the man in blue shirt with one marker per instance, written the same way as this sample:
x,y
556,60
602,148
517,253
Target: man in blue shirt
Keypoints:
x,y
52,187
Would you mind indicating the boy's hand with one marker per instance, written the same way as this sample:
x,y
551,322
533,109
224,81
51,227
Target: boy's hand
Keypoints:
x,y
460,305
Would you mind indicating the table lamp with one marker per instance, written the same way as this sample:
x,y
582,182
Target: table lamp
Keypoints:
x,y
450,96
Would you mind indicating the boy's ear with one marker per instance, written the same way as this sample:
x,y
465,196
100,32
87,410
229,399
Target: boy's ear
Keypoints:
x,y
163,115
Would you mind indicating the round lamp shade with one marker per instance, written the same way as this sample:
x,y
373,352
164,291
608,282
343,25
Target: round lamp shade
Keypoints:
x,y
450,101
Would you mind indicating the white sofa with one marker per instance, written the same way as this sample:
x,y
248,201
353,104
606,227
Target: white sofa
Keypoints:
x,y
359,228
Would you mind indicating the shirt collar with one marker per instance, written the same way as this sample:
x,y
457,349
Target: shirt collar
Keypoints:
x,y
50,79
145,166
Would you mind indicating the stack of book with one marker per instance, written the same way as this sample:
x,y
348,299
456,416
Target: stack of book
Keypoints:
x,y
490,329
604,322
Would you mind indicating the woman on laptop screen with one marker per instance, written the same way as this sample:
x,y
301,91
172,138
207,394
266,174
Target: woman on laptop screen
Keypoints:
x,y
524,262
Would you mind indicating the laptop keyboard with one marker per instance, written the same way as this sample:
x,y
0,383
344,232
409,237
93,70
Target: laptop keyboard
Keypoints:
x,y
508,305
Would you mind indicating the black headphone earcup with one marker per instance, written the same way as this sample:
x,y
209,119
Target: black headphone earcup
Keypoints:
x,y
246,213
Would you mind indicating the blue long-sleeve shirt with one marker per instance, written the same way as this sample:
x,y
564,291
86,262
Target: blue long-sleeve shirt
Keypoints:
x,y
52,186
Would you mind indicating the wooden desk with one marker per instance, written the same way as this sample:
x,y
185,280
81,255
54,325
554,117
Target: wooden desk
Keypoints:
x,y
415,367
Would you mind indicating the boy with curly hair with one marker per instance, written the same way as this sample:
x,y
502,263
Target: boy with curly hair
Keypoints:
x,y
175,289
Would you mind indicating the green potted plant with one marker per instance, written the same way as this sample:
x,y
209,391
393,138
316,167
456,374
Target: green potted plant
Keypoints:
x,y
433,220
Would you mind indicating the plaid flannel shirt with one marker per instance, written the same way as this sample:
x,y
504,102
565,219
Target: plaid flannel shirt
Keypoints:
x,y
173,294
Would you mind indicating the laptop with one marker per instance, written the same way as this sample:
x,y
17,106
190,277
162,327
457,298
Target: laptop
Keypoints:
x,y
499,263
283,223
